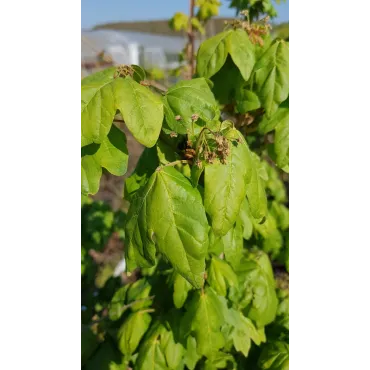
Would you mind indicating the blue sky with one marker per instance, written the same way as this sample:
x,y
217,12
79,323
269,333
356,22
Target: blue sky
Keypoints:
x,y
94,12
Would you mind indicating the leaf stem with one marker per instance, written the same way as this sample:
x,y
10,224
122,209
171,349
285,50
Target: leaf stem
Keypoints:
x,y
180,161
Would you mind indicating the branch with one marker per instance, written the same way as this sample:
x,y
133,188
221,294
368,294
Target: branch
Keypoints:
x,y
191,37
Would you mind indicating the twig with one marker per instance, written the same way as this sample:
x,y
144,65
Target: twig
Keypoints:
x,y
191,37
157,86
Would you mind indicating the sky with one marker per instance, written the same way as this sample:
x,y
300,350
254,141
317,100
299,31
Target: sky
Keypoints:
x,y
95,12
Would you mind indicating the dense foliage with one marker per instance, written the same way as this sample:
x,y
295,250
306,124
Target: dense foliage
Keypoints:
x,y
208,212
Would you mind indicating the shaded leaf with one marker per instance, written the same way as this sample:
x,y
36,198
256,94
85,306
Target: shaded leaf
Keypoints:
x,y
274,356
145,167
181,288
131,332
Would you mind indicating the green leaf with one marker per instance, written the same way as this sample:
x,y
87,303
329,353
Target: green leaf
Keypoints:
x,y
233,245
212,54
139,73
206,314
131,332
275,356
221,276
191,356
168,214
246,220
269,124
89,343
111,154
103,356
282,145
259,281
227,82
256,194
272,76
117,306
173,352
187,98
151,356
98,106
139,290
147,164
246,101
141,110
90,175
242,52
242,332
227,184
219,361
181,288
281,214
179,22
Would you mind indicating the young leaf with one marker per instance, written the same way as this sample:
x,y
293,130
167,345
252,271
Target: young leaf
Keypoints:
x,y
282,145
246,101
212,54
219,361
141,109
131,332
274,356
233,245
256,194
117,306
151,356
243,331
139,290
168,214
191,356
242,51
269,124
90,175
181,288
98,106
187,98
139,73
246,220
221,276
259,282
111,154
206,315
173,352
271,76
